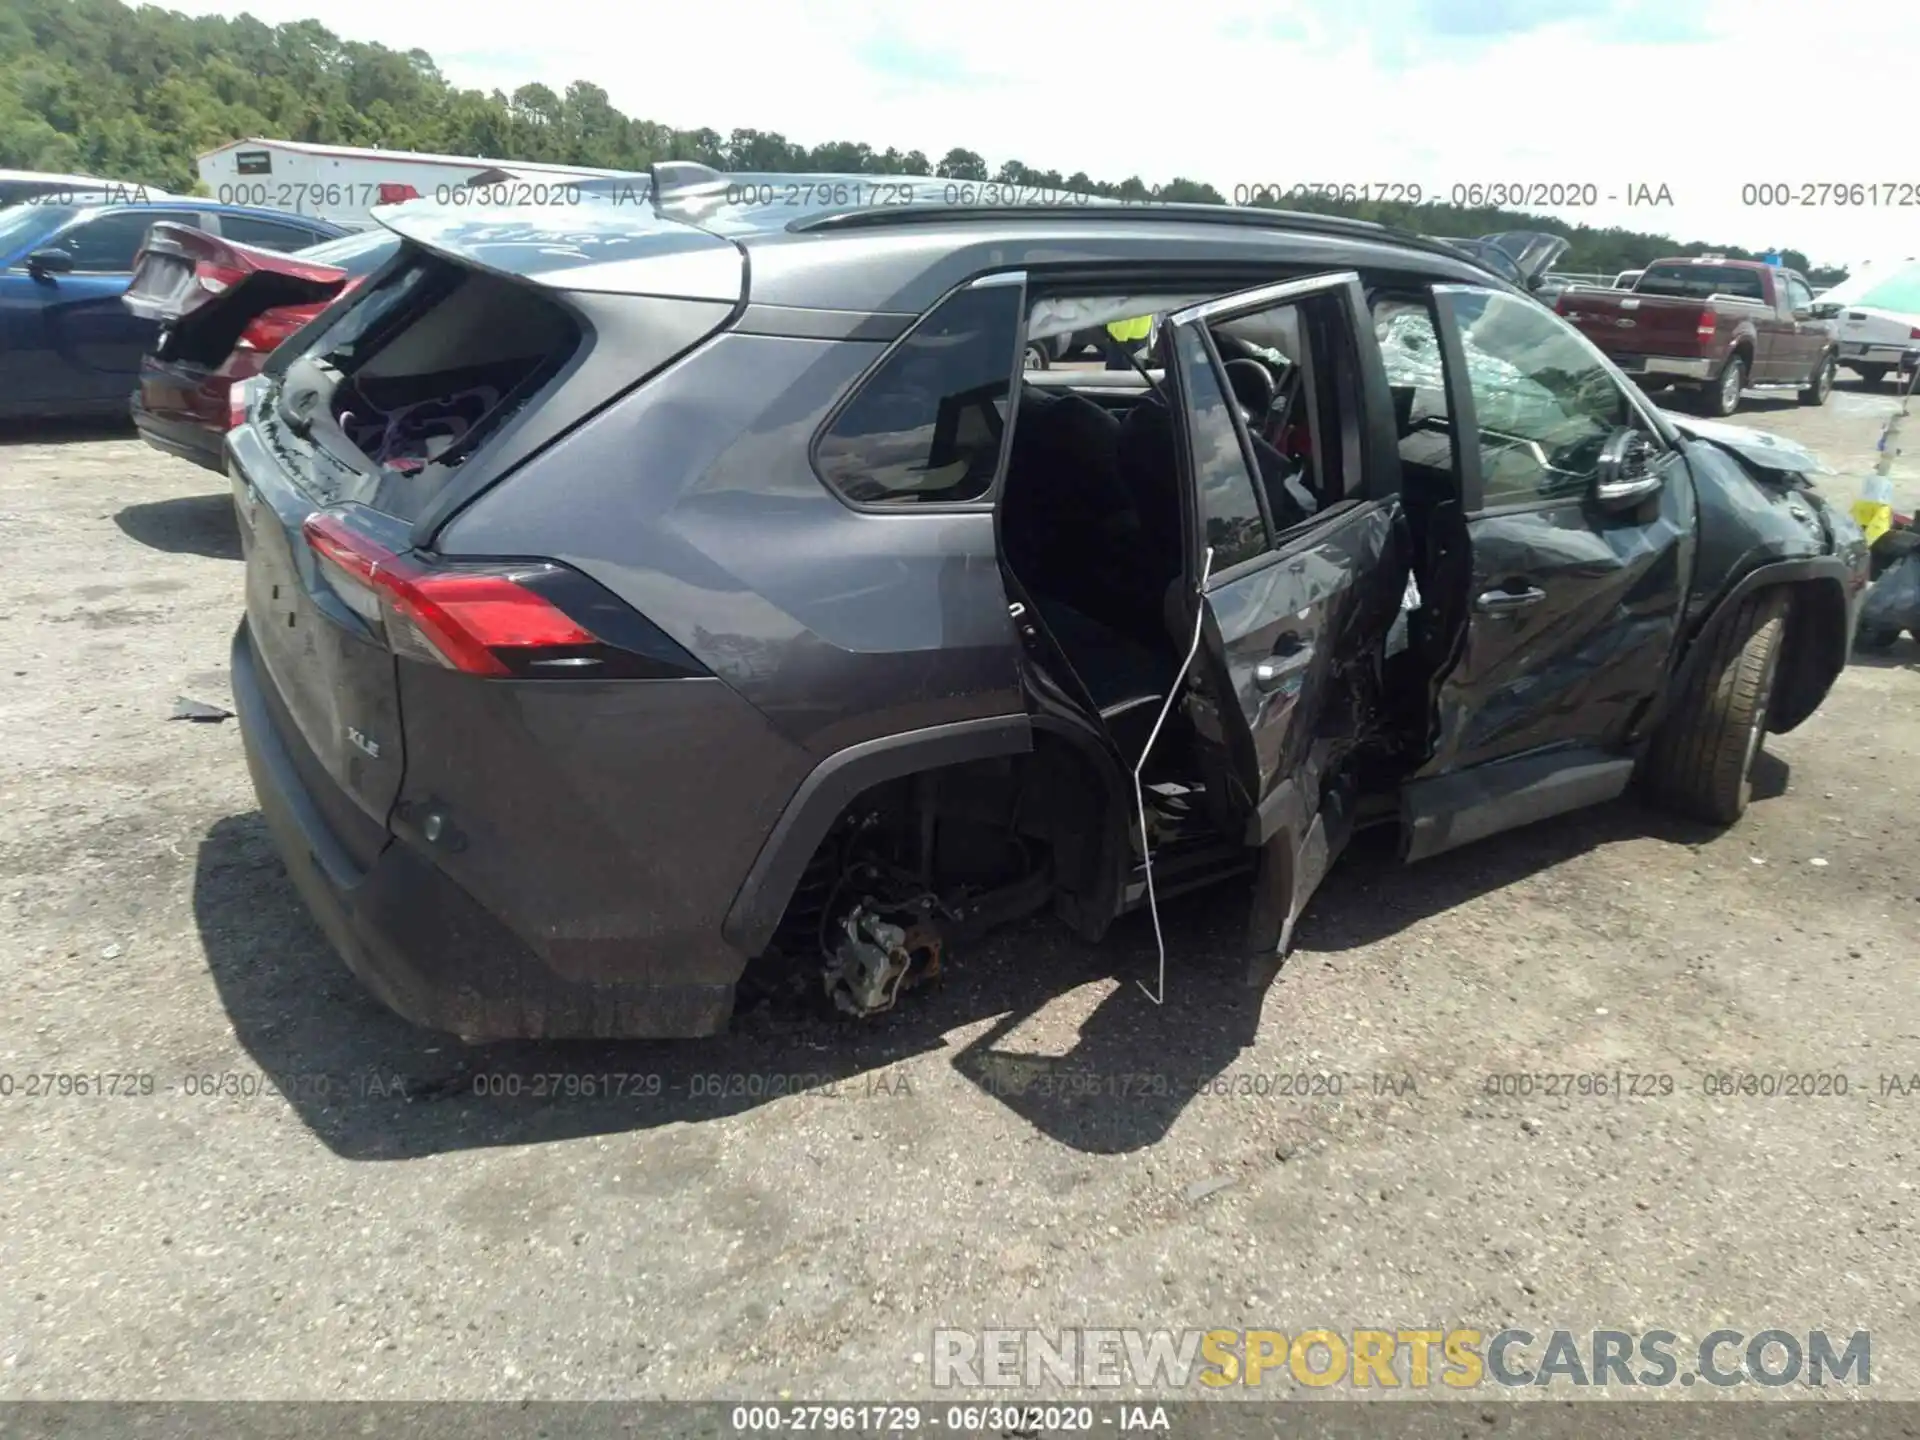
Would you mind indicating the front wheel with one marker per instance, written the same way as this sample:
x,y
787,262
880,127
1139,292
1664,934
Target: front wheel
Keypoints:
x,y
1820,386
1723,396
1701,760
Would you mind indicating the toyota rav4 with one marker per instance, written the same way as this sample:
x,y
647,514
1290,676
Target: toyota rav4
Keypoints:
x,y
635,593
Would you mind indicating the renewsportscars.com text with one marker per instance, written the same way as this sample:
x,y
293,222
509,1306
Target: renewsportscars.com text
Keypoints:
x,y
1399,1358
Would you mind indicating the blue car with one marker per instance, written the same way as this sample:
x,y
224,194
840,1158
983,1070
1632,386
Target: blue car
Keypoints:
x,y
68,347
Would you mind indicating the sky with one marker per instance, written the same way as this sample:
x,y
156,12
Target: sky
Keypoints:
x,y
1615,98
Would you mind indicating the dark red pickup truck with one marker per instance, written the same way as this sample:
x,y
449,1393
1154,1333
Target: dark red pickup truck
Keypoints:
x,y
1713,326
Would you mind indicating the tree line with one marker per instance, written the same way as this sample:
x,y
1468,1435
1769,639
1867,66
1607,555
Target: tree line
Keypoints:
x,y
136,94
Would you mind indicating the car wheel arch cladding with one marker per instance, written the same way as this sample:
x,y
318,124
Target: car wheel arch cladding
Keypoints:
x,y
1817,620
833,784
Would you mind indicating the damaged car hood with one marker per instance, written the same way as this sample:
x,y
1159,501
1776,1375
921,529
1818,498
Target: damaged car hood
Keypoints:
x,y
1757,448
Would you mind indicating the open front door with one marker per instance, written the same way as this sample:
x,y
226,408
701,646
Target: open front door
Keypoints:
x,y
1291,481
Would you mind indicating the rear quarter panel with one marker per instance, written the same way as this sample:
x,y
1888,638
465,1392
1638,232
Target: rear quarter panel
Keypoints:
x,y
694,499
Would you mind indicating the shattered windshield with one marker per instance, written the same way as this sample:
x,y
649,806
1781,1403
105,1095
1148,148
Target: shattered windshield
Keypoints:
x,y
1506,395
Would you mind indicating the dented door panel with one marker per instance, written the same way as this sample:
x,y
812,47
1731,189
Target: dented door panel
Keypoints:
x,y
1581,664
1335,595
1298,638
1294,630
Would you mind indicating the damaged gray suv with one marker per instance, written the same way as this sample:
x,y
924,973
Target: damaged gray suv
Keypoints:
x,y
640,590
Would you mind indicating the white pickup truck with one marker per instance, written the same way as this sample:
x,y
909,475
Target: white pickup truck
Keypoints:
x,y
1877,309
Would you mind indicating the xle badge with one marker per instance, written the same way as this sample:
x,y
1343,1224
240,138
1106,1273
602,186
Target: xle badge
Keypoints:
x,y
371,747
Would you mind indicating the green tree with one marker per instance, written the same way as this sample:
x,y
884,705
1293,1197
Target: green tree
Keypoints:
x,y
138,94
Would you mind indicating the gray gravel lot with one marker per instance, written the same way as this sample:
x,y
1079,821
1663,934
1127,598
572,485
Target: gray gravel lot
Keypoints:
x,y
360,1223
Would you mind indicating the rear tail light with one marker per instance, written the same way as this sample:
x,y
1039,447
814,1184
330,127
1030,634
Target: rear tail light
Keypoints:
x,y
266,330
1705,327
215,278
1914,333
515,618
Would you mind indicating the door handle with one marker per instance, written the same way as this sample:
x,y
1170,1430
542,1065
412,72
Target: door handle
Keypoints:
x,y
1270,674
1496,602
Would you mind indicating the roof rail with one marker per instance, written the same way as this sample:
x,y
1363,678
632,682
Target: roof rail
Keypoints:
x,y
882,215
1251,217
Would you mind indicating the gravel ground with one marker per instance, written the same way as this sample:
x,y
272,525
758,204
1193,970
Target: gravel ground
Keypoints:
x,y
358,1222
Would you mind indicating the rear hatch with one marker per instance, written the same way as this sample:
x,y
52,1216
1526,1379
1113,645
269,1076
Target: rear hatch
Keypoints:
x,y
345,445
1521,256
441,371
205,291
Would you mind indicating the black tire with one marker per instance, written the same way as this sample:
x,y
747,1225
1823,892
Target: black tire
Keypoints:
x,y
1874,637
1721,397
1872,374
1701,760
1821,385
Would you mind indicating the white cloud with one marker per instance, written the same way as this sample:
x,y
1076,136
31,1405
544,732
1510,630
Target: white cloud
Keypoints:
x,y
1231,93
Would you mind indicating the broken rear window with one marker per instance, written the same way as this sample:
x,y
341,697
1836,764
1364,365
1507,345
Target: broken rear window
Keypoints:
x,y
427,363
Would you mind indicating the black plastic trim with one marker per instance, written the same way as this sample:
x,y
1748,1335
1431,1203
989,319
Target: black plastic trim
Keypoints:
x,y
1448,811
1830,568
803,323
833,785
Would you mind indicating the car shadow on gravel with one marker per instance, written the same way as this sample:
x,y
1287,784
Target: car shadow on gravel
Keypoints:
x,y
62,432
1371,896
191,525
373,1087
1903,654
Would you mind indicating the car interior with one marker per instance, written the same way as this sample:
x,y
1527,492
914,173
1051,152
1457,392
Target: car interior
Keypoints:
x,y
1091,525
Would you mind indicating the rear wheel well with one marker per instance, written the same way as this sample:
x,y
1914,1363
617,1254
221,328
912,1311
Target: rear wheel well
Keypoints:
x,y
987,839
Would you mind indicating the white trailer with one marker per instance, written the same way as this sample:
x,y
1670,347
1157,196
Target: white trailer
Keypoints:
x,y
343,183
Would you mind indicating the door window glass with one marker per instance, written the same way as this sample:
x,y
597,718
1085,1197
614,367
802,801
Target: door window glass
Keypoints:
x,y
266,234
1544,399
1231,523
1416,378
925,426
107,244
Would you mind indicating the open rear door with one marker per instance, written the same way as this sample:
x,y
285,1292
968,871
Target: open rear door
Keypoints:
x,y
1291,508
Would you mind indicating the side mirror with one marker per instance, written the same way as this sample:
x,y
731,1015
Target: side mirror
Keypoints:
x,y
1823,310
1803,313
1625,475
49,262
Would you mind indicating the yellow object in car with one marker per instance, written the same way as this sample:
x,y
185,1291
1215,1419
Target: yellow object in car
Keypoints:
x,y
1126,330
1873,511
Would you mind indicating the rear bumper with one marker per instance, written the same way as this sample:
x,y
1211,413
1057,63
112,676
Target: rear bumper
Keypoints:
x,y
1670,367
193,440
181,408
425,946
1852,352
